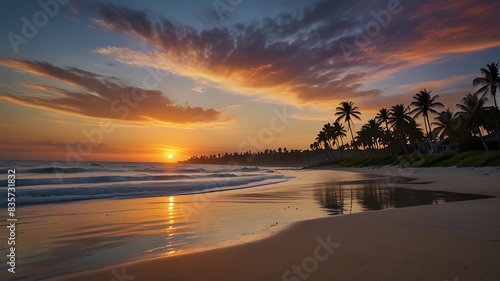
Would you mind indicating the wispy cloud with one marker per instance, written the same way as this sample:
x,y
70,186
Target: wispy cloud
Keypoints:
x,y
297,57
198,89
438,85
94,95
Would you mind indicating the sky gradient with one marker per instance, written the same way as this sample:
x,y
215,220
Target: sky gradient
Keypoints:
x,y
130,81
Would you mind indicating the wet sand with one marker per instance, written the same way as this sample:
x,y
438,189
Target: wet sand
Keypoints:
x,y
452,241
64,238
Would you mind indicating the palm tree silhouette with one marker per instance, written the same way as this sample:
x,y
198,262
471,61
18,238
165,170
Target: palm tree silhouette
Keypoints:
x,y
414,133
339,132
445,125
329,134
399,116
322,138
425,103
347,111
490,81
313,146
370,134
375,131
475,115
383,116
399,119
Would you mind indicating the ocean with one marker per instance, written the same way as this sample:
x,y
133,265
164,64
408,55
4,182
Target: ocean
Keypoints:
x,y
94,214
51,182
105,214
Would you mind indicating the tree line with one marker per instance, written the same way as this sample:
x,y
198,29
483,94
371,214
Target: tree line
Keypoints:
x,y
397,131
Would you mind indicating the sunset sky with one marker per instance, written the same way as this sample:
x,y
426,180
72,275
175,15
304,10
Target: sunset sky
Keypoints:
x,y
141,80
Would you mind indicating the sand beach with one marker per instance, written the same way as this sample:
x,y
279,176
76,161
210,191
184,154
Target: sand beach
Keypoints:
x,y
451,241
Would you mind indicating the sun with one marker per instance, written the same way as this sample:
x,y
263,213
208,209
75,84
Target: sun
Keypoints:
x,y
170,156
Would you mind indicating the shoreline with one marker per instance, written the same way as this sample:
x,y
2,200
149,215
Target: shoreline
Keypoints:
x,y
449,240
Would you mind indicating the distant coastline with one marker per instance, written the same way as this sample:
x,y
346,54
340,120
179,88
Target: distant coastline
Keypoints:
x,y
349,158
279,157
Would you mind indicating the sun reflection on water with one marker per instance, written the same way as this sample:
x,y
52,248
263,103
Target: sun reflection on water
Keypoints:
x,y
171,225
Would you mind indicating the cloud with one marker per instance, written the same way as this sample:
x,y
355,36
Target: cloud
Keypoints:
x,y
297,57
198,89
99,96
441,85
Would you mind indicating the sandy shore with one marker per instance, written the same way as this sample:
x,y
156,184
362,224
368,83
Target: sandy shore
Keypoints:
x,y
453,241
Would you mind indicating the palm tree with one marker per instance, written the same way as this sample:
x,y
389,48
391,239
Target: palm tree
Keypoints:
x,y
340,132
414,133
322,138
489,81
474,115
399,119
424,104
445,125
383,116
399,116
375,131
364,139
313,146
330,134
348,111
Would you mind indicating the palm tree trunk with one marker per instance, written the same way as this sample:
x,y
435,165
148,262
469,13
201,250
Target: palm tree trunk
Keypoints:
x,y
405,149
332,149
425,125
352,136
429,135
338,148
454,138
350,130
494,94
389,140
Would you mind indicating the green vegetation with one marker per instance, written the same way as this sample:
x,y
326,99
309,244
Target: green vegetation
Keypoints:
x,y
448,159
395,131
371,160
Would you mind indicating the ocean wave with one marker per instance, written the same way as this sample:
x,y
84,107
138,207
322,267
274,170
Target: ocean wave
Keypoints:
x,y
39,182
137,189
248,169
97,179
190,170
147,168
58,170
111,179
